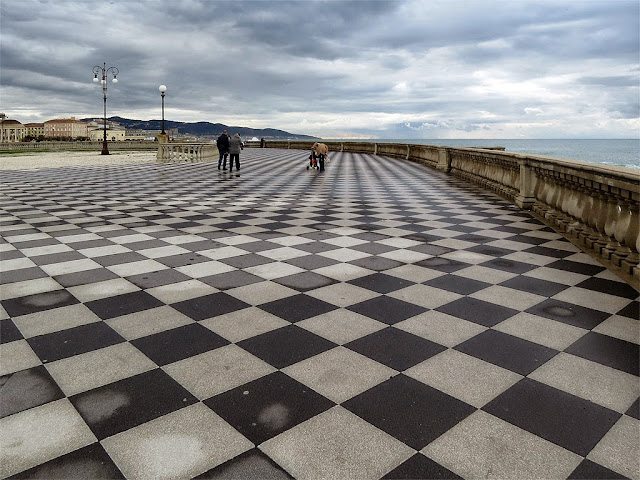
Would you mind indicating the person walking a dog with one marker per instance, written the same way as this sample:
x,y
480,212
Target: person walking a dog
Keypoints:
x,y
223,149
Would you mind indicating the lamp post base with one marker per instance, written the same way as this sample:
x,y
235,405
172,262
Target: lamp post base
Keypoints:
x,y
105,149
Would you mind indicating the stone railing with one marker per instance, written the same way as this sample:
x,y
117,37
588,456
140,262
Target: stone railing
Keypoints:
x,y
186,152
595,205
84,146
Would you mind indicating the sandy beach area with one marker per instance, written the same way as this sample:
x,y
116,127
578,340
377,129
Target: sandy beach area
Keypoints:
x,y
35,160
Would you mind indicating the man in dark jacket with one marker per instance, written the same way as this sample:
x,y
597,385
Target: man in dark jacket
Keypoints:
x,y
223,149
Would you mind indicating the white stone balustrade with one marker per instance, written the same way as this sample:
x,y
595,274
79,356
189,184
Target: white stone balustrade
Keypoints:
x,y
187,152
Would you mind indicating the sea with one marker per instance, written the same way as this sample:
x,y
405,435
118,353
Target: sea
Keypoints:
x,y
618,152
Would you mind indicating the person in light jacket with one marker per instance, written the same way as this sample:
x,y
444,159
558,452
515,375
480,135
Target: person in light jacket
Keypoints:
x,y
235,145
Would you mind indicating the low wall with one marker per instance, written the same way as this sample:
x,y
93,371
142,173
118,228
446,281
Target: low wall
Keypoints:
x,y
186,152
76,146
596,205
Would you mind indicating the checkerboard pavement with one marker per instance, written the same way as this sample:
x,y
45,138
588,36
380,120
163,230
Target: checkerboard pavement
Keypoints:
x,y
376,320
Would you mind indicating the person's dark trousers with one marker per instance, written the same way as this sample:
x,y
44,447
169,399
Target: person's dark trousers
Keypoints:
x,y
236,157
223,159
321,161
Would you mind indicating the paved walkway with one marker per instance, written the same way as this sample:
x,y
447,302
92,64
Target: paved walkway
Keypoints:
x,y
376,320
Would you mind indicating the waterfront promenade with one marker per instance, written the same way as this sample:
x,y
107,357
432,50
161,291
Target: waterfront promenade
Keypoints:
x,y
381,319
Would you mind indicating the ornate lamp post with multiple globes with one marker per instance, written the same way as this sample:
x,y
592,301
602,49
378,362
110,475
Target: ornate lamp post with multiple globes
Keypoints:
x,y
103,71
162,88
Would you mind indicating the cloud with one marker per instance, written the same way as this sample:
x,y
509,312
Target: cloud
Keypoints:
x,y
386,69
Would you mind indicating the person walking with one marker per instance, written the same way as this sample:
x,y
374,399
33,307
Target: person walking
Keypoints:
x,y
223,149
235,145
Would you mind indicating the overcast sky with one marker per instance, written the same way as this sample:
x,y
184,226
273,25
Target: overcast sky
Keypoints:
x,y
334,69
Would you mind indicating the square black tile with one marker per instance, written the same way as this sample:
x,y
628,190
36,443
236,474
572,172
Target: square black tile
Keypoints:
x,y
252,464
119,259
457,284
21,275
409,410
91,244
441,264
38,302
85,277
130,402
74,341
227,280
609,351
632,310
418,467
268,406
507,351
11,255
489,250
611,287
90,462
209,306
509,265
376,263
388,310
588,470
569,313
564,419
523,238
549,252
246,261
9,332
146,244
477,311
576,267
158,278
124,304
381,283
285,346
183,259
298,307
395,348
305,281
179,343
634,410
534,285
373,248
26,389
57,258
311,262
317,247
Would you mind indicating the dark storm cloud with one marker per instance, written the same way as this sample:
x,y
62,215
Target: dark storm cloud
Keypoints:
x,y
332,68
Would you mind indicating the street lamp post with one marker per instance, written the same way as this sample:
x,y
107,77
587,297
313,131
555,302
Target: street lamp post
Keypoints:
x,y
103,71
162,88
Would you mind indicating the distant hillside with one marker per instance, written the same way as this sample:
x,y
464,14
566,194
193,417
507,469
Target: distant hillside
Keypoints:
x,y
206,128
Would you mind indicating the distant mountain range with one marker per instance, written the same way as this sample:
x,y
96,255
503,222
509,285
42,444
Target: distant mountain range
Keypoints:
x,y
205,128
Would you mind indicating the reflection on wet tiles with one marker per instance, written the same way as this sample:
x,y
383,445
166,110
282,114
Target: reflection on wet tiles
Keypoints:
x,y
101,405
48,299
274,416
38,302
26,389
559,311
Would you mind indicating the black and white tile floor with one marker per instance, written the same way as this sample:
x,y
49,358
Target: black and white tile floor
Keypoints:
x,y
376,320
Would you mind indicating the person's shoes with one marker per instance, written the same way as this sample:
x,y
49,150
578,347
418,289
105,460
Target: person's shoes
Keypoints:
x,y
224,168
